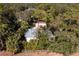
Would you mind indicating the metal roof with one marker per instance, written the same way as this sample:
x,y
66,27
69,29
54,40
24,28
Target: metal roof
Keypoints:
x,y
33,33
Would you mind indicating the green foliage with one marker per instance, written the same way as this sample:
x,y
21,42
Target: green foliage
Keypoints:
x,y
12,43
62,19
43,41
1,7
65,44
62,45
42,14
2,28
32,45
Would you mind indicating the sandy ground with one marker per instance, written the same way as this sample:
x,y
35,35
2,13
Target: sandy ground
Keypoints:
x,y
35,54
39,54
6,53
30,54
75,54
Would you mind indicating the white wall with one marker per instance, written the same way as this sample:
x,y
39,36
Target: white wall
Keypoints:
x,y
40,24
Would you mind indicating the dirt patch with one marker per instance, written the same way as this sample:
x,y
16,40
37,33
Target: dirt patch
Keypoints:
x,y
3,53
39,54
75,54
6,53
30,54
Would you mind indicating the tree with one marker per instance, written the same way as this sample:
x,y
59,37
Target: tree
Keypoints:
x,y
40,14
13,41
43,41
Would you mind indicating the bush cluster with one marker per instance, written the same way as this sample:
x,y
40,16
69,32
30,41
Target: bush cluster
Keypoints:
x,y
61,19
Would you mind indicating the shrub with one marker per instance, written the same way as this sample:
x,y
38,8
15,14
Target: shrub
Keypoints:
x,y
32,45
70,22
1,44
65,44
43,41
61,47
12,43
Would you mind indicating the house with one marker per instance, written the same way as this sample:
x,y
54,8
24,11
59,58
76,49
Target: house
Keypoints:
x,y
39,24
32,33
